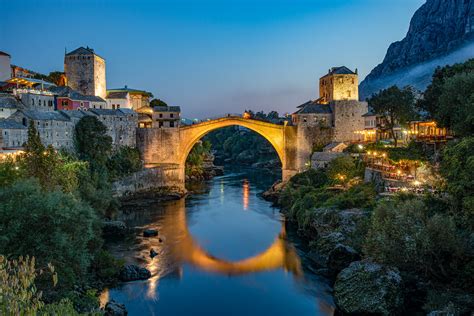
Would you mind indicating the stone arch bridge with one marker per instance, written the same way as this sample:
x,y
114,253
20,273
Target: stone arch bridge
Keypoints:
x,y
169,147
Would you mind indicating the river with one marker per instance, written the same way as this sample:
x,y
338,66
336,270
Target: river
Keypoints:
x,y
221,251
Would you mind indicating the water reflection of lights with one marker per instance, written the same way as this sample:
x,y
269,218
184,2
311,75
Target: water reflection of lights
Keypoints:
x,y
222,191
245,193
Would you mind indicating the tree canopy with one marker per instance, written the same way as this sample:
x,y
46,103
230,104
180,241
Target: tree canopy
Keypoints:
x,y
395,106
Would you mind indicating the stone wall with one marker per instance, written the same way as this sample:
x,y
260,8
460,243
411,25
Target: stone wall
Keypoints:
x,y
149,180
86,74
100,87
339,87
348,119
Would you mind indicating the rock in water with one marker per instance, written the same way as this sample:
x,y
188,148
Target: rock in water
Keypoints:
x,y
132,273
113,308
150,233
369,288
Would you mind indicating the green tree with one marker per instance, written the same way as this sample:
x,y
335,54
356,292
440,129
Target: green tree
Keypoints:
x,y
55,77
430,101
395,106
343,169
92,142
124,161
455,107
406,234
55,227
158,102
457,167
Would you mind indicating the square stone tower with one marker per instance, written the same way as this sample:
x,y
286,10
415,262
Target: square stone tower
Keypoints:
x,y
340,84
85,72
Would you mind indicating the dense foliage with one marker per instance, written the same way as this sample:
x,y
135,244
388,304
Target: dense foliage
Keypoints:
x,y
241,146
395,106
53,226
124,161
195,160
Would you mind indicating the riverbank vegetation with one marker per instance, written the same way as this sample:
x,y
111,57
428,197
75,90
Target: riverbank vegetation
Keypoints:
x,y
53,204
421,245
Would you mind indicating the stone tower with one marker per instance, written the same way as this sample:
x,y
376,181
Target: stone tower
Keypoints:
x,y
340,84
85,72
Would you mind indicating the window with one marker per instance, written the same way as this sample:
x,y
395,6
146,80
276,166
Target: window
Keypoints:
x,y
171,124
161,115
32,101
349,93
160,124
171,115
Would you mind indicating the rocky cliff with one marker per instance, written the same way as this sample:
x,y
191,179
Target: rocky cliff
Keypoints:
x,y
441,32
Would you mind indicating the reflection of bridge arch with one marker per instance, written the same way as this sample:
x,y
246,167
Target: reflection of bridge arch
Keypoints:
x,y
179,247
171,146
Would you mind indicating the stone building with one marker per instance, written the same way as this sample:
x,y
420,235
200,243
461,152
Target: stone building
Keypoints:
x,y
5,66
85,72
337,109
69,99
12,134
36,99
121,125
8,105
166,116
54,128
128,98
340,83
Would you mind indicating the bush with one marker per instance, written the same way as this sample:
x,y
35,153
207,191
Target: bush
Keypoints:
x,y
106,266
343,169
311,177
124,161
358,196
404,234
52,226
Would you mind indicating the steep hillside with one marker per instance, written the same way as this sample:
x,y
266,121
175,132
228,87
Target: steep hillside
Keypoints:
x,y
441,32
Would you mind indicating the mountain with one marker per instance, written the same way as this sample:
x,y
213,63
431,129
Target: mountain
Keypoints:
x,y
441,32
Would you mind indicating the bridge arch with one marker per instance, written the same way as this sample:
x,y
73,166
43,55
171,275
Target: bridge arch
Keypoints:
x,y
273,133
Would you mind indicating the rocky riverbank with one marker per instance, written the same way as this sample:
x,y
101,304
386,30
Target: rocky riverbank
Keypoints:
x,y
342,229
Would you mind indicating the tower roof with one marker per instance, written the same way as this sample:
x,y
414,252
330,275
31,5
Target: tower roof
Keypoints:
x,y
82,51
4,54
343,70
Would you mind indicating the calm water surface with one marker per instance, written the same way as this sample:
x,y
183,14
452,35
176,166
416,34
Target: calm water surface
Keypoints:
x,y
223,251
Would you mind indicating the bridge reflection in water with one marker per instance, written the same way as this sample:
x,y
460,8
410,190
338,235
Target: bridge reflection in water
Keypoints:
x,y
179,247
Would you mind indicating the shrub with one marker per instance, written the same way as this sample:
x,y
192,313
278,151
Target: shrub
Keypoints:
x,y
106,266
52,226
124,161
404,234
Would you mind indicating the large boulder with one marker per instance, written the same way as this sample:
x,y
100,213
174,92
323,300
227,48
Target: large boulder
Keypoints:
x,y
132,273
113,308
328,220
341,257
369,288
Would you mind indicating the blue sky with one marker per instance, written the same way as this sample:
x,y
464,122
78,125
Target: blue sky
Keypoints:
x,y
210,57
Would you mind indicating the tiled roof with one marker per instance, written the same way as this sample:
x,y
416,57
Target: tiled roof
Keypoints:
x,y
343,70
75,114
126,111
314,107
82,51
4,54
370,113
68,92
117,95
163,108
105,112
129,90
10,124
8,101
44,115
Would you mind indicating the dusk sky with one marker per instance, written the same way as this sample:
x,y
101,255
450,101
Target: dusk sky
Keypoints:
x,y
209,57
